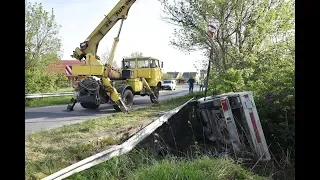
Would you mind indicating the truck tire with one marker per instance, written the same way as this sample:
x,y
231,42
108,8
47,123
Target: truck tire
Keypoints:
x,y
156,93
89,105
127,98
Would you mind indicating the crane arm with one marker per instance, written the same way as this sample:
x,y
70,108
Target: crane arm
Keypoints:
x,y
114,46
90,45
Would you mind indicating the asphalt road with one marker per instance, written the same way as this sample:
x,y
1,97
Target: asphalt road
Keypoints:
x,y
37,119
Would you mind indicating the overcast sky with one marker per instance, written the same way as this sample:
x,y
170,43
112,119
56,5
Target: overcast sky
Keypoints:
x,y
143,31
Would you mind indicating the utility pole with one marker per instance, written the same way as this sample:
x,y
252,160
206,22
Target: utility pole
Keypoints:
x,y
212,30
208,73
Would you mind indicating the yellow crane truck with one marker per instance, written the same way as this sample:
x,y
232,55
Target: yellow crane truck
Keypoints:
x,y
97,83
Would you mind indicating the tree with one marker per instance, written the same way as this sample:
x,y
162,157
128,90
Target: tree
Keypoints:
x,y
105,57
243,27
42,44
167,76
135,55
247,33
42,47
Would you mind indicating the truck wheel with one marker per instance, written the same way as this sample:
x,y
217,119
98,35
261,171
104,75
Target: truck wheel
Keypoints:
x,y
127,98
89,105
156,93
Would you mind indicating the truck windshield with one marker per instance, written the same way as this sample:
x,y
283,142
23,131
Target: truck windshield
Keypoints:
x,y
129,64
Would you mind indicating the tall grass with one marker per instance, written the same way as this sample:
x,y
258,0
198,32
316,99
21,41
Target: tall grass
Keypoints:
x,y
143,164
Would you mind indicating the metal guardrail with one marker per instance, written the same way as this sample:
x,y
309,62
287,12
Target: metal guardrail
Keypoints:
x,y
116,150
42,95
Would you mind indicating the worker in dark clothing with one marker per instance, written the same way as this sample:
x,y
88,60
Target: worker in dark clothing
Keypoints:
x,y
191,81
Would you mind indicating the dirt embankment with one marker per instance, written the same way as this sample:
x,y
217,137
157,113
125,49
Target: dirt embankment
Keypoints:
x,y
179,135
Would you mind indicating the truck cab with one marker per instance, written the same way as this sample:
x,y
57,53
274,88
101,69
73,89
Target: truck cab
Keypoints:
x,y
147,67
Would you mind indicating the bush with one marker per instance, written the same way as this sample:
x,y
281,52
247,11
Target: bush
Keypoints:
x,y
39,81
278,122
274,97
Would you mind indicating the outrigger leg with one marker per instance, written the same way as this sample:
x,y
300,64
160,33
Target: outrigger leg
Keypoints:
x,y
71,104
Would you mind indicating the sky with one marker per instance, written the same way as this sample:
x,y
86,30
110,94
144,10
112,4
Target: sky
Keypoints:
x,y
143,31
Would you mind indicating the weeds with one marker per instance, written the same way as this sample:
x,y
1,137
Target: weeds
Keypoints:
x,y
143,164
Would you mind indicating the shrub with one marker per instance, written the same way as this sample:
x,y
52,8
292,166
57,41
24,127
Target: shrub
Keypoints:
x,y
39,81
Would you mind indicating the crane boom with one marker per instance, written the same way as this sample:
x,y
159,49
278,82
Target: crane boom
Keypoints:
x,y
114,46
90,45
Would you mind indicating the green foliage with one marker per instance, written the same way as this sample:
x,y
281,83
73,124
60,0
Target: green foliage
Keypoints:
x,y
61,80
42,44
141,164
39,81
42,47
229,80
252,50
202,168
47,101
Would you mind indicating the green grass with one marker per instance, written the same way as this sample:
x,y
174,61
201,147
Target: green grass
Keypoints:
x,y
65,90
141,164
47,101
51,150
201,168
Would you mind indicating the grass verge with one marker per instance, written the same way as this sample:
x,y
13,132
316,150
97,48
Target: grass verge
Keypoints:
x,y
47,101
141,164
51,150
65,90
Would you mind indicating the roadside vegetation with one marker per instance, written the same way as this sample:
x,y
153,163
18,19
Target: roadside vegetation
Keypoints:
x,y
47,101
51,150
42,50
142,164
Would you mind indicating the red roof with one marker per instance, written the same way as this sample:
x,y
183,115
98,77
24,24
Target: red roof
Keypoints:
x,y
71,62
60,65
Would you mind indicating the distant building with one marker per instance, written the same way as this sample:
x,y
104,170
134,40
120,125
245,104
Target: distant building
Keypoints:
x,y
186,75
64,66
173,74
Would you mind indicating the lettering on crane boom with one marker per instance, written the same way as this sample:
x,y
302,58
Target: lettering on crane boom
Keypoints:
x,y
117,13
